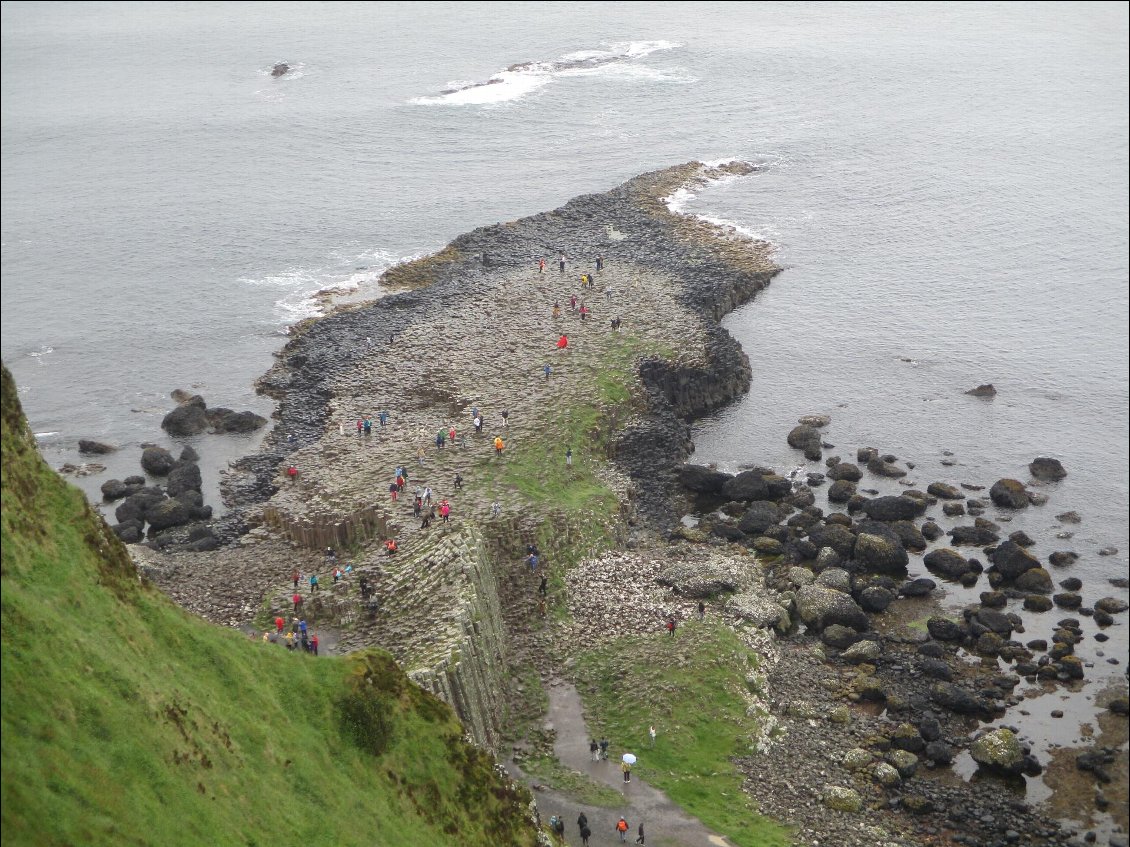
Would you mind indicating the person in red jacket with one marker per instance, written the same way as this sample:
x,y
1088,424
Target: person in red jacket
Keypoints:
x,y
314,644
622,830
279,624
562,342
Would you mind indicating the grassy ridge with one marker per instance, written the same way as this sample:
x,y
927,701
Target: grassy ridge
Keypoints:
x,y
127,721
690,688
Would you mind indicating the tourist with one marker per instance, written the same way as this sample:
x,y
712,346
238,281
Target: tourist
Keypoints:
x,y
599,264
382,418
548,370
622,829
296,576
341,427
451,434
651,734
400,482
495,509
594,749
417,505
297,598
420,455
444,510
556,310
562,342
292,472
458,480
586,834
474,412
368,426
541,265
701,610
498,445
478,426
331,555
337,575
671,625
604,749
608,293
441,437
505,418
427,496
626,769
543,586
314,644
279,624
639,837
569,457
559,829
390,547
360,426
532,561
573,302
584,311
561,262
393,491
313,583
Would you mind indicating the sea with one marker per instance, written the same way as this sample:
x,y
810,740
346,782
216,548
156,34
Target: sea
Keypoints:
x,y
945,185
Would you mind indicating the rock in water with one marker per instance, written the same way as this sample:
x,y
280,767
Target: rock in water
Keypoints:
x,y
157,461
985,390
806,438
1046,469
96,448
1009,493
998,751
189,418
280,69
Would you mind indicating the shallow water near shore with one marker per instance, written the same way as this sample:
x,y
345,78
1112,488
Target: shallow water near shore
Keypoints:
x,y
945,185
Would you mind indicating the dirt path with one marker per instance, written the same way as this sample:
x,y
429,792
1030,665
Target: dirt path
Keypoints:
x,y
665,824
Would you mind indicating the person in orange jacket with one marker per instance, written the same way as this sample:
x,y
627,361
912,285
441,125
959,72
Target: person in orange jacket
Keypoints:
x,y
498,445
622,830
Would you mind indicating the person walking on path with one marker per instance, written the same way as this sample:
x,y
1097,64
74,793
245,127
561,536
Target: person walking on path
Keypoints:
x,y
420,455
382,418
543,586
622,830
532,561
417,506
444,510
313,583
584,311
368,424
608,293
297,599
639,836
701,610
360,426
393,491
499,446
296,576
541,265
505,418
562,342
441,437
478,425
556,310
341,427
594,749
314,644
604,749
582,820
495,509
561,262
458,480
451,434
627,770
586,834
651,734
427,495
573,302
279,624
548,370
568,457
671,625
599,264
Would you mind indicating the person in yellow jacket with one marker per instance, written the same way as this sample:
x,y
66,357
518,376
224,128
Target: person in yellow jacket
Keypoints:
x,y
498,445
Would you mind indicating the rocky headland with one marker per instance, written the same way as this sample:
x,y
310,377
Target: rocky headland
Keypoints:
x,y
866,692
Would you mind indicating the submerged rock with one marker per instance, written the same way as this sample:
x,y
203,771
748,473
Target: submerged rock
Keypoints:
x,y
1046,469
1009,493
999,751
984,390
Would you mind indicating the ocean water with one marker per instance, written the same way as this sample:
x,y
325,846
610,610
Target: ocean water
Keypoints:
x,y
945,184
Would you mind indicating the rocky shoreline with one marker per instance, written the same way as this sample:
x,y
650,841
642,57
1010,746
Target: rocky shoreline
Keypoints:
x,y
471,328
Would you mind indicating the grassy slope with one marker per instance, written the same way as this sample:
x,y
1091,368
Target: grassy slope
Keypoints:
x,y
690,688
126,721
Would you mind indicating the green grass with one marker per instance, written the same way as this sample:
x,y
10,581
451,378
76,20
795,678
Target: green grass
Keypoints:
x,y
126,721
690,688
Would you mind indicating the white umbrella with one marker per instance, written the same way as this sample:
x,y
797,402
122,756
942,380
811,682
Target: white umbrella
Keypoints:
x,y
629,758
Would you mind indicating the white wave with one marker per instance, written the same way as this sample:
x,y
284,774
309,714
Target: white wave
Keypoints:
x,y
679,201
46,434
524,78
40,353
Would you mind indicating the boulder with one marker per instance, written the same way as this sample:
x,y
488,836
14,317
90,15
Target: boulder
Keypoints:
x,y
819,607
976,535
905,762
957,699
840,637
842,799
702,479
1046,469
768,546
188,455
880,554
185,476
236,421
841,491
826,558
806,438
835,578
756,485
944,492
984,390
875,599
167,513
910,536
845,471
189,418
945,629
1010,560
1063,558
1036,581
1069,517
931,531
758,610
1037,603
999,751
697,580
862,651
920,587
886,775
832,535
816,421
281,69
947,563
994,621
1111,605
760,515
157,461
128,532
935,668
94,448
138,504
1009,494
879,467
115,489
939,752
890,508
1022,538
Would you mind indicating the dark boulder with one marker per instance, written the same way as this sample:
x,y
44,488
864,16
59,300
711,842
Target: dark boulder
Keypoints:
x,y
891,508
756,485
137,505
184,477
977,535
189,418
157,461
1111,605
727,532
841,491
760,515
939,753
806,438
945,629
920,587
944,492
931,531
94,448
1022,538
984,390
1010,560
128,532
281,69
1037,603
845,471
135,481
1036,580
879,467
935,668
702,479
236,421
910,536
1046,469
1063,558
188,455
839,538
994,621
167,513
115,489
1009,494
874,599
880,554
820,607
947,563
957,699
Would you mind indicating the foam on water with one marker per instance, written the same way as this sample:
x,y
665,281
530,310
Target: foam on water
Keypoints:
x,y
524,78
